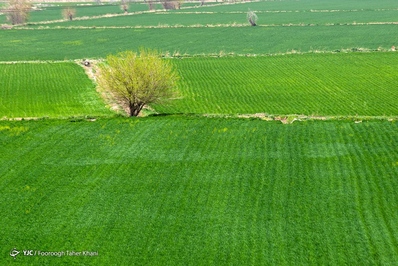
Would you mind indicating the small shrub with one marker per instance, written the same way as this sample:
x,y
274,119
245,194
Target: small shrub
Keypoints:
x,y
69,13
252,18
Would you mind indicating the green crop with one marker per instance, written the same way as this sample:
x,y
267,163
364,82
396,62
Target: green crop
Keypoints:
x,y
353,84
285,26
189,191
47,89
154,19
312,84
183,189
302,5
48,12
59,44
208,19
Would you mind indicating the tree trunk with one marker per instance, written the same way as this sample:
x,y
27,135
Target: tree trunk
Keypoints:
x,y
135,108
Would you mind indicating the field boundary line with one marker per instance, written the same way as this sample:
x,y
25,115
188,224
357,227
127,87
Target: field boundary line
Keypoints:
x,y
165,12
230,25
290,118
89,118
161,11
36,62
178,55
284,119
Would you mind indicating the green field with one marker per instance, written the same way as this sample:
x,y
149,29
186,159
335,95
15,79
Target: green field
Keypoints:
x,y
364,84
200,191
269,12
55,12
190,183
47,90
303,5
303,26
208,18
60,44
51,12
348,84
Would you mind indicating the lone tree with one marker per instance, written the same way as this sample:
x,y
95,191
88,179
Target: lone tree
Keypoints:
x,y
151,5
252,18
179,3
124,6
167,4
17,11
137,79
69,13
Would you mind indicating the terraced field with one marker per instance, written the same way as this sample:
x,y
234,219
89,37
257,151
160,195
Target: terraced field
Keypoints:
x,y
271,13
48,90
222,191
53,11
302,26
188,188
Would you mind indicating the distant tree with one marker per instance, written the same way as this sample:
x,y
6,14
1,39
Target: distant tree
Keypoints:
x,y
252,18
69,13
124,6
137,79
168,4
151,4
17,11
179,3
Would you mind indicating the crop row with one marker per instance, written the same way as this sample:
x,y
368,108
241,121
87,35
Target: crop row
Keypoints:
x,y
47,89
59,44
302,5
226,19
48,12
45,12
174,190
311,84
294,12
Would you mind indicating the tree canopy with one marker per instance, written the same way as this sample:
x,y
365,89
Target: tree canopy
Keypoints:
x,y
17,11
137,79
